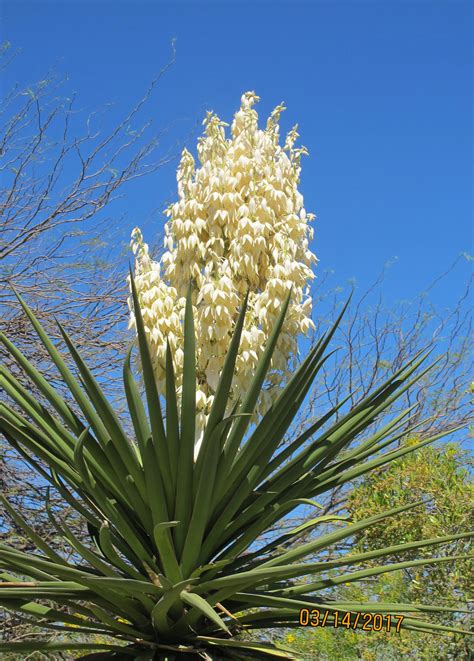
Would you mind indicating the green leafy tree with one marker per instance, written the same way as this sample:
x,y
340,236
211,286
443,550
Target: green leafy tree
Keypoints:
x,y
443,475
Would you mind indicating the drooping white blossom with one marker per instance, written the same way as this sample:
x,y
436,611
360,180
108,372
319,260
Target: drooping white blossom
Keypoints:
x,y
239,222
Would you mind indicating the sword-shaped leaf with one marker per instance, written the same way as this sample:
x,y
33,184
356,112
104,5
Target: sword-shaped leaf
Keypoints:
x,y
161,466
184,482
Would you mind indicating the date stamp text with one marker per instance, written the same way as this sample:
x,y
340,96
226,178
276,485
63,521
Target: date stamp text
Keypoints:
x,y
364,621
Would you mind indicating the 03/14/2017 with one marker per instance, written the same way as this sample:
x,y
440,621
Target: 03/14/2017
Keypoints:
x,y
364,621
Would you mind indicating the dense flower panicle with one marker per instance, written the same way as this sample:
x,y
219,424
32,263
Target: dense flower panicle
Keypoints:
x,y
239,223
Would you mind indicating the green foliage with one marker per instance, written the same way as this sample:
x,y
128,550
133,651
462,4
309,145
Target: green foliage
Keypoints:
x,y
330,644
442,474
174,564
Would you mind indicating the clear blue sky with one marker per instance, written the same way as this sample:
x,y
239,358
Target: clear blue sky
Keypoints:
x,y
381,91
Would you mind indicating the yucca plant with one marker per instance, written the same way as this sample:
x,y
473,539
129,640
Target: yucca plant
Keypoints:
x,y
173,566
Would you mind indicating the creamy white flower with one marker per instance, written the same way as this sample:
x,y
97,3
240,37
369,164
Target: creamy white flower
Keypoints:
x,y
239,223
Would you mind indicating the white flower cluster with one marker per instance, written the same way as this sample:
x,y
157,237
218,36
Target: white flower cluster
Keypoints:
x,y
239,223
